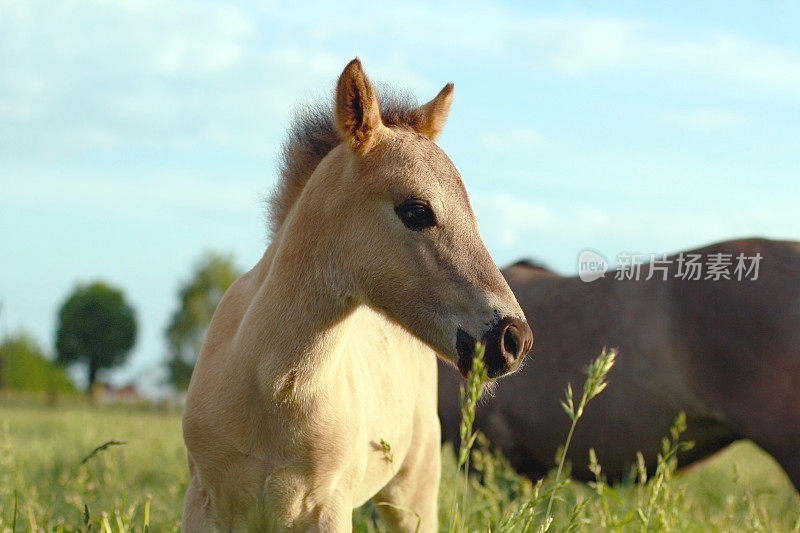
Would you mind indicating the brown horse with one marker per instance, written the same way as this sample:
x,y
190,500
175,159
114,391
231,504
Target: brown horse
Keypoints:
x,y
726,352
325,352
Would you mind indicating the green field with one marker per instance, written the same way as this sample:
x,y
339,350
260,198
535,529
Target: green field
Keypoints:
x,y
41,449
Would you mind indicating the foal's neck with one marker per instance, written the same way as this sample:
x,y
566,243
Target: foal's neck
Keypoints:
x,y
298,319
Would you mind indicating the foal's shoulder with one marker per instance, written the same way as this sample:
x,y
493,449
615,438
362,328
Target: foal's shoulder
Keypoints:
x,y
229,313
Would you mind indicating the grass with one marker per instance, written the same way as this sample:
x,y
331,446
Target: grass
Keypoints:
x,y
52,463
80,468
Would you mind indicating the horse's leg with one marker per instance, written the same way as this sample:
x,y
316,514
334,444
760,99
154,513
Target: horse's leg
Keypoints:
x,y
791,465
336,514
288,510
415,488
768,413
784,447
196,511
781,436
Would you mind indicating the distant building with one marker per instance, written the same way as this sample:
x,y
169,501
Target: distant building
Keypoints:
x,y
127,394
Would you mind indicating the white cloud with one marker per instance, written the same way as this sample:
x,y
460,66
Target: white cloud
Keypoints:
x,y
514,221
574,45
96,136
513,217
580,45
727,56
173,72
182,54
703,119
87,75
157,195
513,139
318,62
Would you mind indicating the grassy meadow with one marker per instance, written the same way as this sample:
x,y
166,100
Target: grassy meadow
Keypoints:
x,y
125,486
120,469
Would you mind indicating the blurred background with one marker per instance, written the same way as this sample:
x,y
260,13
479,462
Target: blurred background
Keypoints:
x,y
138,141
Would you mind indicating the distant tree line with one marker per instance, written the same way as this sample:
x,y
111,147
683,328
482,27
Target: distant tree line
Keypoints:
x,y
96,329
198,298
24,367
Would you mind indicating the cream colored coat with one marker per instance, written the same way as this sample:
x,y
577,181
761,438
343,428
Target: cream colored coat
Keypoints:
x,y
327,348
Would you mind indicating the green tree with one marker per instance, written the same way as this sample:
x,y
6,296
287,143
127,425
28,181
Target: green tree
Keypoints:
x,y
97,327
24,367
197,300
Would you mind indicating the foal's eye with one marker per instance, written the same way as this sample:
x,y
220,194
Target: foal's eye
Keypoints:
x,y
415,214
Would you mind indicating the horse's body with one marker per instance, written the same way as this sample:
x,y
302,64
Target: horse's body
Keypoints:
x,y
324,353
726,352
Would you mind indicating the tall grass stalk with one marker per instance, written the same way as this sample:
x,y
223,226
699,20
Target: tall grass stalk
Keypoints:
x,y
659,493
146,525
14,520
595,384
469,395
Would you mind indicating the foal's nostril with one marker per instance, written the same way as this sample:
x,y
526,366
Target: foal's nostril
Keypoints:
x,y
511,341
506,342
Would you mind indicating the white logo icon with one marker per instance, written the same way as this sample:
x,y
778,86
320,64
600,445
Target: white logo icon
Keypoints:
x,y
591,266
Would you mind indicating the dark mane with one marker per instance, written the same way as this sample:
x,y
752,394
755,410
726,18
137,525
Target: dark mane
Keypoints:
x,y
313,135
531,263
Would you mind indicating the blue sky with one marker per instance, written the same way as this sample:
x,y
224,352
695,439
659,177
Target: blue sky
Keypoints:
x,y
136,135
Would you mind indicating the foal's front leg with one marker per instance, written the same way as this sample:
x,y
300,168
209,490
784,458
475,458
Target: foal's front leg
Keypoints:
x,y
415,488
293,506
196,510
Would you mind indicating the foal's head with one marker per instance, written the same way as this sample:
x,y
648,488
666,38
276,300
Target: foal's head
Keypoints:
x,y
406,239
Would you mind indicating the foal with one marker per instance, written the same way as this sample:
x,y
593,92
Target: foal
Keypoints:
x,y
326,348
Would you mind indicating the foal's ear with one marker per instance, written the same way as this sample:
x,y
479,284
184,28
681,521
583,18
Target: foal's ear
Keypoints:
x,y
430,118
358,115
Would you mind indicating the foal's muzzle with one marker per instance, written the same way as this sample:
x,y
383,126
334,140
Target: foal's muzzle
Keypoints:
x,y
506,342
